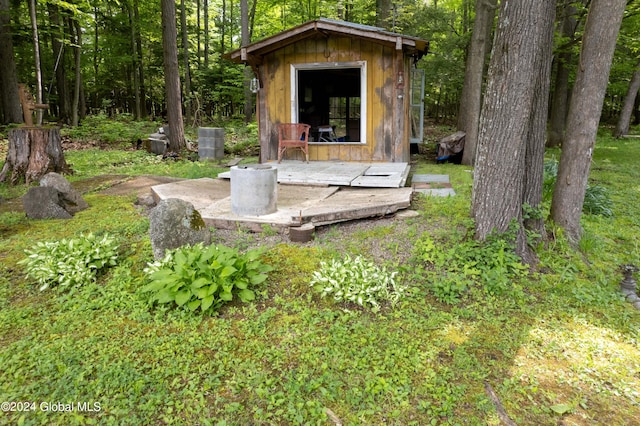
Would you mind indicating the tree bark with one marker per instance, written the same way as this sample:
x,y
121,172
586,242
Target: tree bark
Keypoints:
x,y
137,109
140,61
383,14
36,55
33,152
506,120
537,132
622,128
205,6
9,98
78,72
185,53
560,97
598,45
248,73
471,98
57,42
172,76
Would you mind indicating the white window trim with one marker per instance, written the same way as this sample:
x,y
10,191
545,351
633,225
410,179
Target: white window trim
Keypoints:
x,y
329,65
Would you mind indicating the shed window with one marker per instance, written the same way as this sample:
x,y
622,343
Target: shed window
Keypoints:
x,y
330,98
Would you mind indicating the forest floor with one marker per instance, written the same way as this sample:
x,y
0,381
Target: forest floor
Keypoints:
x,y
474,337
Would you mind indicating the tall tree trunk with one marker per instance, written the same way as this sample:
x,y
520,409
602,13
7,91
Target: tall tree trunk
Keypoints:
x,y
140,61
9,98
198,34
383,14
622,128
598,45
248,73
506,121
471,98
36,57
205,6
96,56
537,132
78,61
137,110
560,98
172,76
185,53
57,42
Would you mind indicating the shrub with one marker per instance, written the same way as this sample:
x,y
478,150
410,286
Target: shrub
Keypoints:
x,y
357,280
204,277
70,262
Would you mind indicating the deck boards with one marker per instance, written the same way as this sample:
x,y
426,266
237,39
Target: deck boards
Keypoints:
x,y
372,175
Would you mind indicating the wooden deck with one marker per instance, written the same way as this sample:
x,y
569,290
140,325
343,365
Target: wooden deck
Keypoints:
x,y
370,175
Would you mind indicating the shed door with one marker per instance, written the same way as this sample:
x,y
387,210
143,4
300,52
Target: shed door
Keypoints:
x,y
416,106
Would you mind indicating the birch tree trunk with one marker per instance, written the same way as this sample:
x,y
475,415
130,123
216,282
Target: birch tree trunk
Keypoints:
x,y
598,45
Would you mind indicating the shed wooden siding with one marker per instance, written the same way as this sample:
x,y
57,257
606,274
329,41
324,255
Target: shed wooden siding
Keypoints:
x,y
387,118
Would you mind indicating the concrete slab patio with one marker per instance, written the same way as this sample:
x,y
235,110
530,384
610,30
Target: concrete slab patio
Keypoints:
x,y
297,204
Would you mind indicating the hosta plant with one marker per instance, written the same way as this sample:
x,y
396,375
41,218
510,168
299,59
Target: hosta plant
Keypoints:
x,y
357,280
70,262
199,277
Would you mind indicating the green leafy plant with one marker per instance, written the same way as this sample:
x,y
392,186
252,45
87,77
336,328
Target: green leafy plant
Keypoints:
x,y
70,262
357,280
453,267
205,277
596,198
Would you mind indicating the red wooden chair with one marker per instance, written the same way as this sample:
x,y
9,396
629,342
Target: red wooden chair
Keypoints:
x,y
293,135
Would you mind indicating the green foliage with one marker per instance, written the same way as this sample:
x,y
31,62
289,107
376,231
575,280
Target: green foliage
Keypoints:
x,y
120,130
70,262
453,267
597,200
205,277
357,280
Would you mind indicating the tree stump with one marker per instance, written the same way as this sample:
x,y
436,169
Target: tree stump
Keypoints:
x,y
33,152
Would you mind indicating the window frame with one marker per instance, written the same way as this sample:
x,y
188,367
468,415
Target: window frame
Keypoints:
x,y
362,65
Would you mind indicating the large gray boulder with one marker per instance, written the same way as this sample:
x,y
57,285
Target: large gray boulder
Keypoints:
x,y
43,202
72,200
174,223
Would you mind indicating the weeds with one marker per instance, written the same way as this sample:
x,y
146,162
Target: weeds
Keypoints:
x,y
557,345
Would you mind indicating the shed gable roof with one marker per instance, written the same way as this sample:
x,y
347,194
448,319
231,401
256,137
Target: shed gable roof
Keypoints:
x,y
254,51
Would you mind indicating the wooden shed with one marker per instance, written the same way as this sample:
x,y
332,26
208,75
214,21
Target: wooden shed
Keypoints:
x,y
356,85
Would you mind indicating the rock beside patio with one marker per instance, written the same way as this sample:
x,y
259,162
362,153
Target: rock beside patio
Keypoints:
x,y
43,202
72,201
174,223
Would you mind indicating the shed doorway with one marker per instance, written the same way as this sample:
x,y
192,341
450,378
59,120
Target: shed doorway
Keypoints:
x,y
332,99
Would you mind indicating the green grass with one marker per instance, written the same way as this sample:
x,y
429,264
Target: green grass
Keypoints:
x,y
563,348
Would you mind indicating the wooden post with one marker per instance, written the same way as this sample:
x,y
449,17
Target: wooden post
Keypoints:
x,y
33,152
28,104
